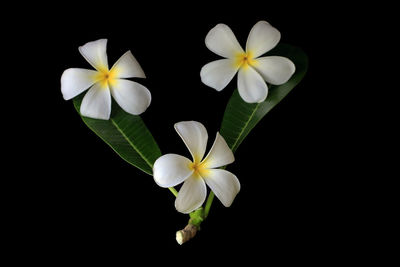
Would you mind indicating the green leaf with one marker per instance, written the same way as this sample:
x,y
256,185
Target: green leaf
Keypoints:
x,y
241,117
127,135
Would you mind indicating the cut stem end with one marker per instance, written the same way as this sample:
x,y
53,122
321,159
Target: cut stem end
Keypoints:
x,y
186,234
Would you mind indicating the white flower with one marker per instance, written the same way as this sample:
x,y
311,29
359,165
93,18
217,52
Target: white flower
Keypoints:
x,y
172,169
252,68
104,82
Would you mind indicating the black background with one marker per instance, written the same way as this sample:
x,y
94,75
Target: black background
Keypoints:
x,y
84,201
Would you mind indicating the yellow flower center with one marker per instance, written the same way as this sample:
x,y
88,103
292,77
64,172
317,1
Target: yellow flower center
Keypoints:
x,y
199,169
106,77
244,60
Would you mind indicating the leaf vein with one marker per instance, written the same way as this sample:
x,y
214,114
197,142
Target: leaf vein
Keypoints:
x,y
245,126
130,142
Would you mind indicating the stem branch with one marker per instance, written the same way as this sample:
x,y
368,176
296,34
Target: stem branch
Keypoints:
x,y
208,204
173,190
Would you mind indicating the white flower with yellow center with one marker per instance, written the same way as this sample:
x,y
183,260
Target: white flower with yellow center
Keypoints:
x,y
132,97
252,69
172,169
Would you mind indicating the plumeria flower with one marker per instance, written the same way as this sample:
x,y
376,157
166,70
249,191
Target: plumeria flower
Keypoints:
x,y
104,82
252,69
172,169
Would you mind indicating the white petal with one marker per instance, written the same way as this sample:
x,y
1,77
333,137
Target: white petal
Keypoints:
x,y
262,38
195,137
219,73
97,103
96,54
251,86
74,81
131,96
171,169
191,195
224,184
220,154
275,70
222,41
128,67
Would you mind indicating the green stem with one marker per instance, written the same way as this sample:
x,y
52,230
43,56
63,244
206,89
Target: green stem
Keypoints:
x,y
173,190
208,204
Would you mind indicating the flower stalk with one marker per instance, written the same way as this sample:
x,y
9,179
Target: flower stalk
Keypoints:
x,y
208,204
173,191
